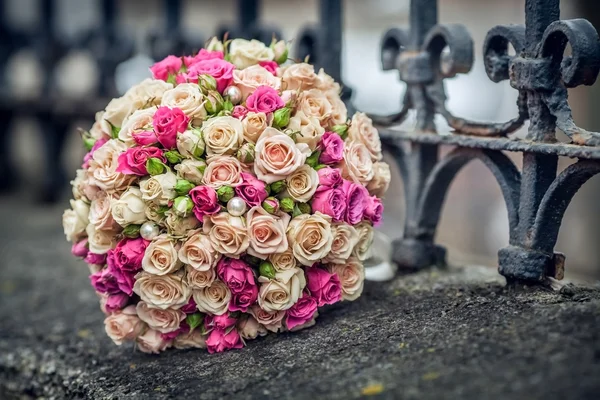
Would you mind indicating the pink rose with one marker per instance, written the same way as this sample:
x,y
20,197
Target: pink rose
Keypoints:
x,y
239,277
329,177
219,69
219,340
301,312
104,281
219,321
86,159
324,287
264,99
332,148
167,337
144,138
128,254
133,161
167,123
205,201
168,66
116,302
270,66
374,210
93,258
252,190
202,55
190,307
239,112
330,201
80,249
356,200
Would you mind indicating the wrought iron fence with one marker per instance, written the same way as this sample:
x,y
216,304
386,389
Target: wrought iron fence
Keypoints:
x,y
424,54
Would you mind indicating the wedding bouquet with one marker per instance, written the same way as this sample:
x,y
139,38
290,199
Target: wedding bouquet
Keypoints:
x,y
225,198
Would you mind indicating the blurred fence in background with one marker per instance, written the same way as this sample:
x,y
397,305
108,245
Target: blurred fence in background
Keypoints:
x,y
62,60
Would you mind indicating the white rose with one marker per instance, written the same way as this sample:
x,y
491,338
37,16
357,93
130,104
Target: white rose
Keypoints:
x,y
188,98
123,325
180,226
345,238
300,76
193,339
213,299
254,124
270,320
164,321
162,291
283,261
309,127
352,277
100,242
190,144
362,250
228,234
357,165
139,121
191,170
75,220
129,208
152,342
100,212
117,110
160,257
103,165
159,188
266,232
244,53
222,135
302,183
197,251
282,292
381,179
249,79
214,45
147,93
314,103
199,279
101,128
277,156
78,183
310,237
362,130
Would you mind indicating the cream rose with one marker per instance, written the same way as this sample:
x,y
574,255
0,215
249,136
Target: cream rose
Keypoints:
x,y
164,321
314,103
362,250
160,257
147,93
249,328
345,238
154,213
101,128
190,144
193,339
180,226
277,156
352,277
188,98
100,212
357,165
271,320
123,325
117,110
199,279
266,232
129,208
222,135
381,179
222,171
213,299
302,183
310,237
162,291
283,261
339,113
100,242
152,342
78,183
309,127
283,292
191,170
299,76
362,130
76,220
254,125
245,53
249,79
228,234
139,121
327,83
159,188
197,251
103,168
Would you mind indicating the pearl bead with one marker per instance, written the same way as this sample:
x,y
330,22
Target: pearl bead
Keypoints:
x,y
234,94
149,230
236,206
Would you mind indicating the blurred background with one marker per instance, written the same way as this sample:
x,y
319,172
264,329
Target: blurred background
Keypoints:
x,y
62,60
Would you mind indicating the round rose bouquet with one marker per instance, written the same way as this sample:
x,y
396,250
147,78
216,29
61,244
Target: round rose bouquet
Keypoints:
x,y
225,198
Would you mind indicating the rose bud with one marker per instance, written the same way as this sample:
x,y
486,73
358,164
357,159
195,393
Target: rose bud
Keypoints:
x,y
280,49
267,270
183,205
281,117
225,193
173,156
246,153
207,83
341,130
287,205
214,102
154,166
278,186
183,187
271,205
304,208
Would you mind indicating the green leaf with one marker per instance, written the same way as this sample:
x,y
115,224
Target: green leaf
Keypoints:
x,y
114,130
132,231
194,320
173,156
313,159
267,270
228,105
172,79
89,142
